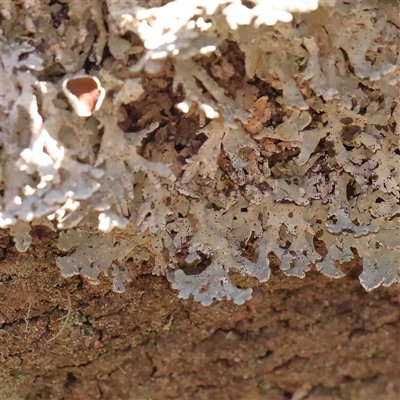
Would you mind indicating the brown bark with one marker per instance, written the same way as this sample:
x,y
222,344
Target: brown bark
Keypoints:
x,y
311,339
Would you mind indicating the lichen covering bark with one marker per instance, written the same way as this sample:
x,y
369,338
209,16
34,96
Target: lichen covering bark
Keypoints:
x,y
290,151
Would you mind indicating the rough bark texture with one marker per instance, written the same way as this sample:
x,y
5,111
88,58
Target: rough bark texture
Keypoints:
x,y
313,339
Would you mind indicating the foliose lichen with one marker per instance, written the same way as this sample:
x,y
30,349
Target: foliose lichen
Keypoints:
x,y
301,162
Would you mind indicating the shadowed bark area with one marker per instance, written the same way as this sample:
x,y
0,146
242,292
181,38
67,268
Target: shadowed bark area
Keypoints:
x,y
297,339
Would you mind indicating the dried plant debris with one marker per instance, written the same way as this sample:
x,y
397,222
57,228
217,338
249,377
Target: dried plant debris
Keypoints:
x,y
128,138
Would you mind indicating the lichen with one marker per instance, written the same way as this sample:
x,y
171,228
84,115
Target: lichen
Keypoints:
x,y
302,155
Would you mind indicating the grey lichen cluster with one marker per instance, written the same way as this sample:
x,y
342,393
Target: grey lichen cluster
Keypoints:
x,y
334,67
